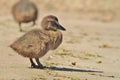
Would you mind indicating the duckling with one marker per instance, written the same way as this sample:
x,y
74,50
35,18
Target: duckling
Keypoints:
x,y
25,11
37,42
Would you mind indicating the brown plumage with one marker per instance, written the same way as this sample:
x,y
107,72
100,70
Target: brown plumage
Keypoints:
x,y
37,42
25,11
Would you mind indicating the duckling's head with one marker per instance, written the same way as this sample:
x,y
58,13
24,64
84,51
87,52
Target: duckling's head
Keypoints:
x,y
50,22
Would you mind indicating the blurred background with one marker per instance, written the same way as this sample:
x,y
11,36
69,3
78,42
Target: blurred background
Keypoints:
x,y
105,10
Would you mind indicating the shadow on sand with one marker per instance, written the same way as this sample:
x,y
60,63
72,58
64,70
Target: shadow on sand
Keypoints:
x,y
69,69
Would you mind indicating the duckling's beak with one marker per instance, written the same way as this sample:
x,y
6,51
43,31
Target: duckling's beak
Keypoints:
x,y
61,27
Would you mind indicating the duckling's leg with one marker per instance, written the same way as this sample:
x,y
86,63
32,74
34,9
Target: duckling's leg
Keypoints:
x,y
20,27
39,64
32,63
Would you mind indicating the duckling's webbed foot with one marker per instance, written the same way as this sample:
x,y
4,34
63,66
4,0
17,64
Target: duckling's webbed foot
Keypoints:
x,y
39,64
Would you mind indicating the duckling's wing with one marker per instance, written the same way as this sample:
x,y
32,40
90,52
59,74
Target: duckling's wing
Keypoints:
x,y
33,42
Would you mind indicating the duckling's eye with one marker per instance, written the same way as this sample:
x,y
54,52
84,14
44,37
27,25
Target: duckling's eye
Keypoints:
x,y
56,19
53,24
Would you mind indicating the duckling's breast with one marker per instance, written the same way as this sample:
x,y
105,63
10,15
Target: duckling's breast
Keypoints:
x,y
56,39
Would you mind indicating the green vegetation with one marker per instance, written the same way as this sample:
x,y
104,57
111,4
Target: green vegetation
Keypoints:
x,y
50,63
83,56
104,46
63,52
75,79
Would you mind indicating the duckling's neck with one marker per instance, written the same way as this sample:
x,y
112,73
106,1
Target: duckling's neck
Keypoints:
x,y
56,38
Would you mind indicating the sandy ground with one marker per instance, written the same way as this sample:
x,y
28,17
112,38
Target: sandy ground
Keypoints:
x,y
90,49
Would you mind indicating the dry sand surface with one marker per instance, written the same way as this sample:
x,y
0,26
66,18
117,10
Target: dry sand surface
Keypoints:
x,y
90,48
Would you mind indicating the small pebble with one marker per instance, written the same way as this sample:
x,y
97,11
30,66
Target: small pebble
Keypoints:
x,y
74,63
99,62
